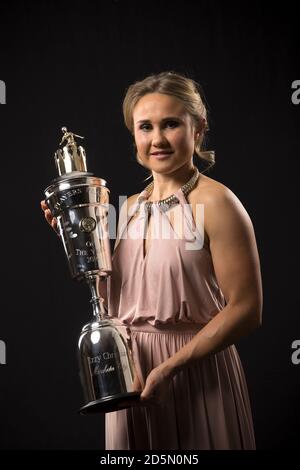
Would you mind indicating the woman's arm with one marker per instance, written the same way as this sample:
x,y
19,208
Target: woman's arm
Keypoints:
x,y
237,268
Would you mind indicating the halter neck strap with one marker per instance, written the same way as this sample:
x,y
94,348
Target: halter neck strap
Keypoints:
x,y
185,189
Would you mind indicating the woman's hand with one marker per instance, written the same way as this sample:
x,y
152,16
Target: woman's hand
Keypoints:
x,y
156,389
48,216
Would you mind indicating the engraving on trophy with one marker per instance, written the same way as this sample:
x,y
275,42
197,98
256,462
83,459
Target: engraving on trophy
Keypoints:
x,y
108,362
105,370
89,254
106,355
80,252
69,194
87,224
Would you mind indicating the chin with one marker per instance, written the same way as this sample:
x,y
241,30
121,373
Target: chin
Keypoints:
x,y
163,168
166,167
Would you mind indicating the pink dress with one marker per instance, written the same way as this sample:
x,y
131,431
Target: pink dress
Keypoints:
x,y
165,298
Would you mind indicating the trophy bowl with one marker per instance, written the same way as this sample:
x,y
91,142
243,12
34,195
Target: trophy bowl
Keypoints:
x,y
106,368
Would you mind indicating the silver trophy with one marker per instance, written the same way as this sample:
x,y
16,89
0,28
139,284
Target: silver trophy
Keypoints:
x,y
79,201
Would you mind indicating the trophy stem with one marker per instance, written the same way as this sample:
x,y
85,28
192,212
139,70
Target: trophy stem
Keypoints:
x,y
97,301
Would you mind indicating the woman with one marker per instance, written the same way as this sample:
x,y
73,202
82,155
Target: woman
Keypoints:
x,y
186,281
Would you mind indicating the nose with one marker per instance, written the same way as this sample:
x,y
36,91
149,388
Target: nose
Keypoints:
x,y
158,138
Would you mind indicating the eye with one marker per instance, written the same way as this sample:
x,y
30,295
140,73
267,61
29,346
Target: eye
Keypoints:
x,y
145,127
172,124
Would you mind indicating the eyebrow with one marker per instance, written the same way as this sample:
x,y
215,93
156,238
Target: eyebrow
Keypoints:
x,y
169,118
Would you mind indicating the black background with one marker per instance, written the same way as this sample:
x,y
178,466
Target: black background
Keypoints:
x,y
69,63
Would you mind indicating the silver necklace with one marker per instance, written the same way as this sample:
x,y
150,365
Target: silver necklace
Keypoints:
x,y
168,202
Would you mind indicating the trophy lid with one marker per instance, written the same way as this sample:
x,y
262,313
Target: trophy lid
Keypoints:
x,y
70,157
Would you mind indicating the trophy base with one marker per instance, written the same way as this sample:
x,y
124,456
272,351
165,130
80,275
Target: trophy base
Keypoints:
x,y
112,403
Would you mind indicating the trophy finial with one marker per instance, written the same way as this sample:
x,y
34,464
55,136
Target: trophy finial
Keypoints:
x,y
69,137
70,157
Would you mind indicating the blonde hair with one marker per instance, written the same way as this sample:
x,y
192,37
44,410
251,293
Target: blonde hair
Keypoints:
x,y
186,90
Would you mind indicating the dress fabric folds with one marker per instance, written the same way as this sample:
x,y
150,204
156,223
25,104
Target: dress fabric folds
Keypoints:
x,y
163,298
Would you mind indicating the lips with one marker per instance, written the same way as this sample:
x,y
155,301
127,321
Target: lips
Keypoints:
x,y
162,152
161,155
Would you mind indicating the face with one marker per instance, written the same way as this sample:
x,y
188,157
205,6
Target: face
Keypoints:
x,y
164,132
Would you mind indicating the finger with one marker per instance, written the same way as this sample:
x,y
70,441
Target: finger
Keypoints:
x,y
146,395
48,216
44,205
54,224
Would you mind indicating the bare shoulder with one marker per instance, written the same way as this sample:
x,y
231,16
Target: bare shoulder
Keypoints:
x,y
209,189
215,194
221,206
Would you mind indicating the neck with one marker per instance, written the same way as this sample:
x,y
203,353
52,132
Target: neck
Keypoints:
x,y
167,184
